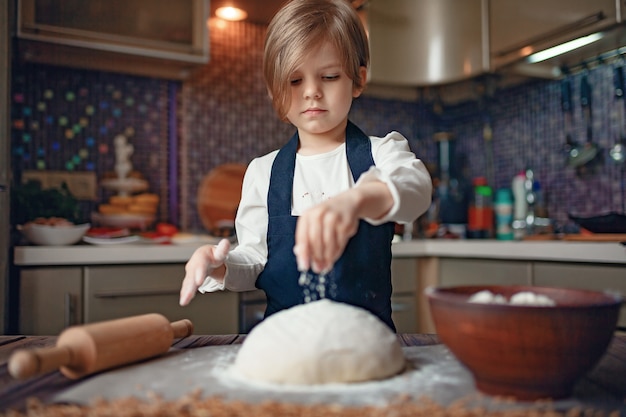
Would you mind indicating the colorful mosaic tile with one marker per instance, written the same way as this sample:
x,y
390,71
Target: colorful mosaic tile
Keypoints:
x,y
66,119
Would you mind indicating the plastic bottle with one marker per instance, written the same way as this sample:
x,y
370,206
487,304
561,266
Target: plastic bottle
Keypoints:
x,y
503,209
480,213
520,207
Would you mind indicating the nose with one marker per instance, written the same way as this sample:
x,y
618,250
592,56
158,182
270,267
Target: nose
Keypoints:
x,y
312,89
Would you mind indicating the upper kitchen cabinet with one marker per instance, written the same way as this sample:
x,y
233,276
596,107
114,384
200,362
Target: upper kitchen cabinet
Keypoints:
x,y
433,42
519,29
427,42
156,38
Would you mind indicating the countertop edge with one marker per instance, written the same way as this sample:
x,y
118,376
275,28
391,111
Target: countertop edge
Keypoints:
x,y
558,251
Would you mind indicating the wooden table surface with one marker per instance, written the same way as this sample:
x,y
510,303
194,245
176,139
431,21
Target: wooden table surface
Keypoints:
x,y
604,386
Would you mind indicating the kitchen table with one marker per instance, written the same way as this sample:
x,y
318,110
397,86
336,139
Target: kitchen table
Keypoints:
x,y
604,387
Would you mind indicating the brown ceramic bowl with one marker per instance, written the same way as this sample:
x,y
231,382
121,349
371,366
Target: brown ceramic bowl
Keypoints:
x,y
526,352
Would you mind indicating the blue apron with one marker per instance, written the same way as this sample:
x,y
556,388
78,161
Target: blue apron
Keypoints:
x,y
361,276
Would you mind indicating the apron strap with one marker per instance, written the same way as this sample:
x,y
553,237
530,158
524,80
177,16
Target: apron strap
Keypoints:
x,y
281,179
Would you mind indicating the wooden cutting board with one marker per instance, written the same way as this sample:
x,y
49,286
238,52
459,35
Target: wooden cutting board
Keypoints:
x,y
597,237
587,237
219,194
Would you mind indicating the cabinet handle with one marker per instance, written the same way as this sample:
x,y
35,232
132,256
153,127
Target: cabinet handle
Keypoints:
x,y
70,310
135,293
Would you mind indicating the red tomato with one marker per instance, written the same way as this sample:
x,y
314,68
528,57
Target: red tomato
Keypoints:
x,y
166,229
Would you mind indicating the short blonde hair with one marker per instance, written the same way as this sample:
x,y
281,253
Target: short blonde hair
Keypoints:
x,y
297,29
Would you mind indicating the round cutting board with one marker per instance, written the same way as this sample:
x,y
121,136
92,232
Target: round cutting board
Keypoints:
x,y
219,194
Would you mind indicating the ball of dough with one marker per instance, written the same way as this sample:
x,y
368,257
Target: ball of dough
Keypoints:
x,y
318,343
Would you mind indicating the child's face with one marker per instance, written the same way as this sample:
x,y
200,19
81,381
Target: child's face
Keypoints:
x,y
321,92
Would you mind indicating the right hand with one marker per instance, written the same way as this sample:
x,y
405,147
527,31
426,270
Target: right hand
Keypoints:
x,y
205,260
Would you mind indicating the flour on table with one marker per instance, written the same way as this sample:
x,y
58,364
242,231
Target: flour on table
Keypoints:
x,y
319,343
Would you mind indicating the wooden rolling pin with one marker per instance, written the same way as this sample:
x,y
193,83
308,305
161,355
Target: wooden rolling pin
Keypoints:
x,y
86,349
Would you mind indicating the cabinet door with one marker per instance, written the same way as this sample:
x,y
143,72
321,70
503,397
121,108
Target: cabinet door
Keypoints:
x,y
50,299
484,272
589,277
404,313
516,26
121,291
404,298
404,275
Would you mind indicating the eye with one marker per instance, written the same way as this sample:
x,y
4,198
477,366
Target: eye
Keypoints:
x,y
295,81
330,77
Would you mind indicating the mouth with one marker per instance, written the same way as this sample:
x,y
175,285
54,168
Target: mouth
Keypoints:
x,y
313,111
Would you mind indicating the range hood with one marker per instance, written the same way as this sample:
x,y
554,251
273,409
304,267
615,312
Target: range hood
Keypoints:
x,y
436,42
519,30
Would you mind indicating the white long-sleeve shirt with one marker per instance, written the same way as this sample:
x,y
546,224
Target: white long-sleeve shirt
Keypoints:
x,y
318,178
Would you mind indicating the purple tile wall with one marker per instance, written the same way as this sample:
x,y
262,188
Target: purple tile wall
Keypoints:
x,y
224,116
66,120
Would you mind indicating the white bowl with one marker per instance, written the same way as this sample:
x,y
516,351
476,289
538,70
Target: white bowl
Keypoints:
x,y
45,235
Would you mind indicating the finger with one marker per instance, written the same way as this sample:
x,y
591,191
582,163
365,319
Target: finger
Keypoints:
x,y
332,242
199,275
301,248
187,291
301,261
221,251
316,241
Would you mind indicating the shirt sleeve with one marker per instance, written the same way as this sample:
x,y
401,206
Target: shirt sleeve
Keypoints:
x,y
246,261
406,176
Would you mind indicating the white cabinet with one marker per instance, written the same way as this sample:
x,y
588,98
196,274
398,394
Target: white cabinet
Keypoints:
x,y
590,277
50,299
484,272
156,38
405,296
53,298
120,291
518,28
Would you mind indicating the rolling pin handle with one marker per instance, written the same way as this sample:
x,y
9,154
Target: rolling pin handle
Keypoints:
x,y
27,363
182,328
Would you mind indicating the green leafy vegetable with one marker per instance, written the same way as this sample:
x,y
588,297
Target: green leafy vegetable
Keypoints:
x,y
29,201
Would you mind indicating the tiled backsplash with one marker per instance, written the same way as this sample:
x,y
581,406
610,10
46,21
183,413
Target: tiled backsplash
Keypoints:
x,y
66,119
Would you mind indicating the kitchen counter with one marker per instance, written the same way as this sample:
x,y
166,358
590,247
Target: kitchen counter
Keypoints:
x,y
602,388
559,251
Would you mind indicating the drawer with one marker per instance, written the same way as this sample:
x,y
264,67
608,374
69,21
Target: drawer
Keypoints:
x,y
50,299
120,291
484,272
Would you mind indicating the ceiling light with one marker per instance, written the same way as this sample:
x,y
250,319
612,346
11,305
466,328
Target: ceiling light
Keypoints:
x,y
231,13
563,48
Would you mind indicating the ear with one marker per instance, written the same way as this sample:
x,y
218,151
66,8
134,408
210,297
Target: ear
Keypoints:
x,y
356,91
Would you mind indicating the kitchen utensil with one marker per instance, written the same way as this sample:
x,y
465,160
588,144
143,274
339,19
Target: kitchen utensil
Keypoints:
x,y
83,350
618,150
567,107
606,223
584,154
525,351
